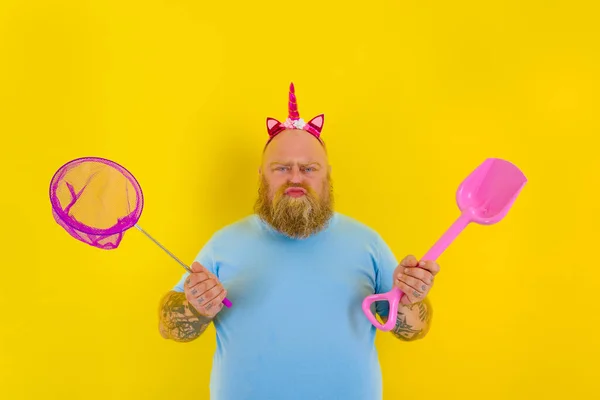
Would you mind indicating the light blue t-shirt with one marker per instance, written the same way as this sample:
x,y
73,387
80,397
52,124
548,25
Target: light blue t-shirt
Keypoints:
x,y
296,330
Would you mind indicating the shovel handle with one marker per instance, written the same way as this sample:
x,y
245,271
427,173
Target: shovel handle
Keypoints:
x,y
393,298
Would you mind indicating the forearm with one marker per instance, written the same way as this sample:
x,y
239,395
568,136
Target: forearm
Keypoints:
x,y
413,321
178,320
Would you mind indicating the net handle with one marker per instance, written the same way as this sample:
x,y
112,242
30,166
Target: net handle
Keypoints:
x,y
163,247
225,301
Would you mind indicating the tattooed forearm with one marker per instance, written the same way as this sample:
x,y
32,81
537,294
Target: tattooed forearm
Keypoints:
x,y
413,321
180,321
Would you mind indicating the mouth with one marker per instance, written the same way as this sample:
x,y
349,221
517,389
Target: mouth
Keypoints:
x,y
295,192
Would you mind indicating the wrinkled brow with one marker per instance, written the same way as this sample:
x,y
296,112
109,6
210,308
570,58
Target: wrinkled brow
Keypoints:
x,y
287,164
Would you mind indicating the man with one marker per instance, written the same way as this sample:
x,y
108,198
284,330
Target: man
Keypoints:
x,y
296,272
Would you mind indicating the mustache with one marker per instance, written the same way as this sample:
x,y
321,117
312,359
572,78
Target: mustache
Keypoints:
x,y
293,185
307,189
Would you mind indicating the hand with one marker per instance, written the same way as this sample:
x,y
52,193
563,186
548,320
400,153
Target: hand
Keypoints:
x,y
203,291
415,279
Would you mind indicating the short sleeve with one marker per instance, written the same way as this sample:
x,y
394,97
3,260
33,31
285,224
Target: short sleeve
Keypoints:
x,y
205,258
386,263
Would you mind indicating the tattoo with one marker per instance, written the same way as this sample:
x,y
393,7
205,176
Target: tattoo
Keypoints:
x,y
179,320
403,330
423,315
412,321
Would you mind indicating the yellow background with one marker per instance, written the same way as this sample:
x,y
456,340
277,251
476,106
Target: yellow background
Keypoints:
x,y
416,94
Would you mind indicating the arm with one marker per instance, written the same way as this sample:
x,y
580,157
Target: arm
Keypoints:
x,y
415,279
178,320
413,321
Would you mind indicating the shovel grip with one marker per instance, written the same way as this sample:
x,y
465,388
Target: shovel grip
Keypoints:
x,y
393,298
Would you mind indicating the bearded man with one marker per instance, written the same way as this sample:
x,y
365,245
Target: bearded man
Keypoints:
x,y
296,272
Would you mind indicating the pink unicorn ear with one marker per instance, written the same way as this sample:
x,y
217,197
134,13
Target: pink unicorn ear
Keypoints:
x,y
274,126
317,123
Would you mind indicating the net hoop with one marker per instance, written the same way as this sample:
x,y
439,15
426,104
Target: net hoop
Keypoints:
x,y
123,224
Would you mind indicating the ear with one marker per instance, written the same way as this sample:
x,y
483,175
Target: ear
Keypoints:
x,y
317,123
273,126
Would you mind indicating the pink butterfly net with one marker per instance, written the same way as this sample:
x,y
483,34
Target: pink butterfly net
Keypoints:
x,y
96,200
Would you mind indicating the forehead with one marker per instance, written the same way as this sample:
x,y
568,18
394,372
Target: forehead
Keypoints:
x,y
295,146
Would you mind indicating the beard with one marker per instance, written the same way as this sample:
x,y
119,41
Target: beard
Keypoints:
x,y
295,217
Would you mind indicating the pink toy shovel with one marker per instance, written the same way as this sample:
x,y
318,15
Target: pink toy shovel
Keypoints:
x,y
484,197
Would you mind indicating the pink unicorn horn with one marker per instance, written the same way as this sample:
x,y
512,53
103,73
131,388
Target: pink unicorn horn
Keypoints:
x,y
293,113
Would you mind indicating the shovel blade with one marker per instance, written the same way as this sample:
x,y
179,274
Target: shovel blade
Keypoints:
x,y
488,193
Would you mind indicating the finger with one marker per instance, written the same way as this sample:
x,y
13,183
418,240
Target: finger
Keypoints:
x,y
219,301
409,261
421,274
208,295
195,278
404,300
215,304
412,294
430,266
414,283
201,289
197,267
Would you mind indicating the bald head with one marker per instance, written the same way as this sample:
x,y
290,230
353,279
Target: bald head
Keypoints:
x,y
296,144
295,195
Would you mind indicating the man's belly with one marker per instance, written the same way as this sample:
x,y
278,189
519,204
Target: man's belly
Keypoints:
x,y
291,370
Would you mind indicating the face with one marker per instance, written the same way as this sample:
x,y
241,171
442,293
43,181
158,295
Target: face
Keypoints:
x,y
295,194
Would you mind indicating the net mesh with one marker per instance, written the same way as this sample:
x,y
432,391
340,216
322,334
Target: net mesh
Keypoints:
x,y
95,200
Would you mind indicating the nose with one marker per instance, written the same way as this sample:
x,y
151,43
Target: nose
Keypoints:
x,y
296,176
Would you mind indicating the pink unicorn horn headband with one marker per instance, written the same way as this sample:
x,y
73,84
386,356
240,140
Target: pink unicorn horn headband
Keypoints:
x,y
293,121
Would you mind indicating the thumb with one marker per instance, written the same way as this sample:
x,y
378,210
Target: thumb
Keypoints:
x,y
409,261
197,267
